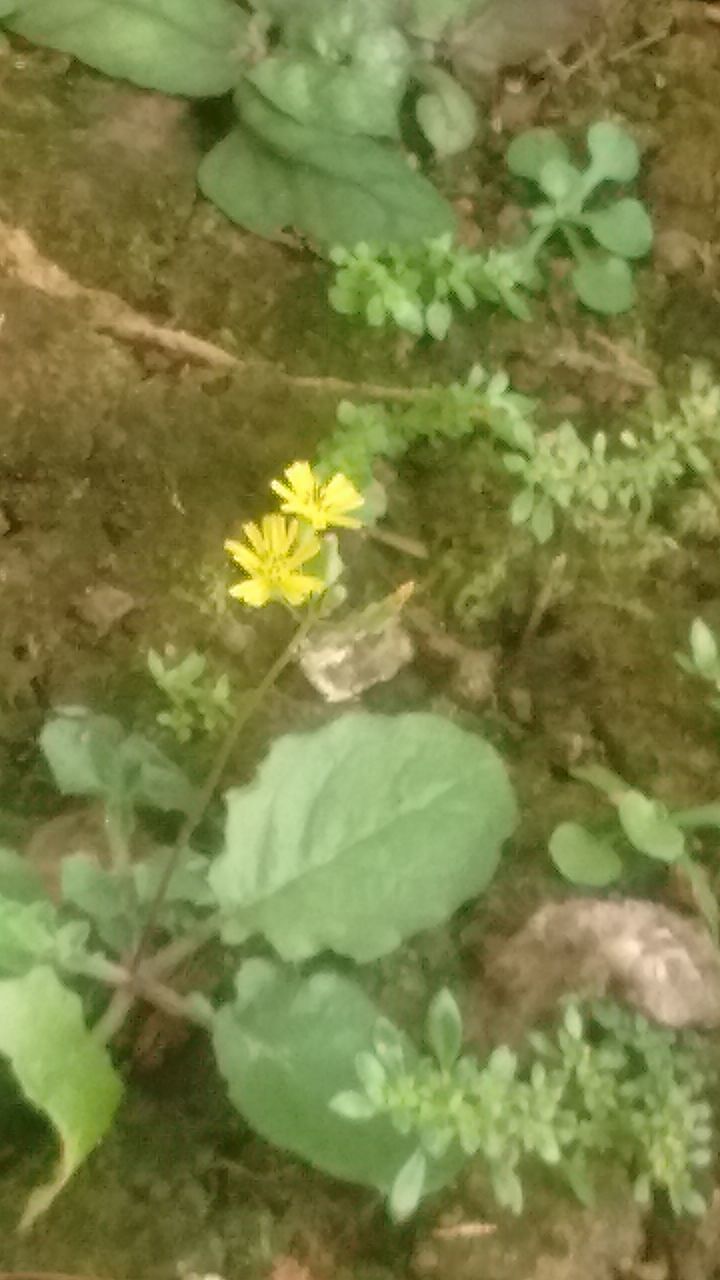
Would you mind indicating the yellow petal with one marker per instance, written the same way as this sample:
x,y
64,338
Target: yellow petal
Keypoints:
x,y
301,479
254,537
298,587
254,592
243,556
307,549
341,494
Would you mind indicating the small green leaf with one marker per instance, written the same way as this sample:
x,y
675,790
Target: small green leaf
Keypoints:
x,y
583,858
604,285
438,319
352,1105
703,893
648,828
530,151
542,520
428,19
176,46
103,895
623,228
61,1070
28,932
613,152
560,180
444,1028
407,1189
602,779
446,114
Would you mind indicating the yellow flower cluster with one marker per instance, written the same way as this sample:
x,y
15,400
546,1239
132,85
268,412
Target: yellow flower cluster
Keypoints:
x,y
276,551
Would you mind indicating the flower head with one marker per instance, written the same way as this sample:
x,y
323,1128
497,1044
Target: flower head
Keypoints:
x,y
320,504
273,558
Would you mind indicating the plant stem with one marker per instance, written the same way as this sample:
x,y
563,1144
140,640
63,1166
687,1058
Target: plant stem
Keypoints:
x,y
205,795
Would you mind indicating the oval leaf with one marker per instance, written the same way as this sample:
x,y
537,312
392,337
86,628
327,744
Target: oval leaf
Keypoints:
x,y
444,1028
407,1189
648,829
357,836
604,285
613,152
338,192
623,228
287,1049
60,1068
447,114
530,151
176,46
583,858
347,99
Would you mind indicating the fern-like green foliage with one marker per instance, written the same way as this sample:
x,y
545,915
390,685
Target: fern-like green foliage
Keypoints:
x,y
606,1085
606,486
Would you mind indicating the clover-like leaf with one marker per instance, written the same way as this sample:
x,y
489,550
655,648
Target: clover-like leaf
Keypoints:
x,y
407,1188
176,46
604,285
623,228
358,835
583,858
649,828
60,1068
613,153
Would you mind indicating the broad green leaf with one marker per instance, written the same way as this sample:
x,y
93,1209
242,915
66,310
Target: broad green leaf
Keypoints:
x,y
530,151
604,285
105,896
339,191
358,835
176,46
648,828
346,99
613,153
583,858
444,1028
286,1049
623,228
406,1191
446,113
19,879
90,755
561,181
61,1070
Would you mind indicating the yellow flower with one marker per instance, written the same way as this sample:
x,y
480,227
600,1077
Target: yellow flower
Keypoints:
x,y
320,504
276,553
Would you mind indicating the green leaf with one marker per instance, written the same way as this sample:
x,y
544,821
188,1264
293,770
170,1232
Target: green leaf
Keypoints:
x,y
60,1068
176,46
105,896
704,647
446,114
346,99
28,933
357,836
339,191
561,180
602,779
8,6
444,1028
286,1049
613,153
623,228
648,828
604,285
407,1189
90,755
529,152
702,891
583,858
